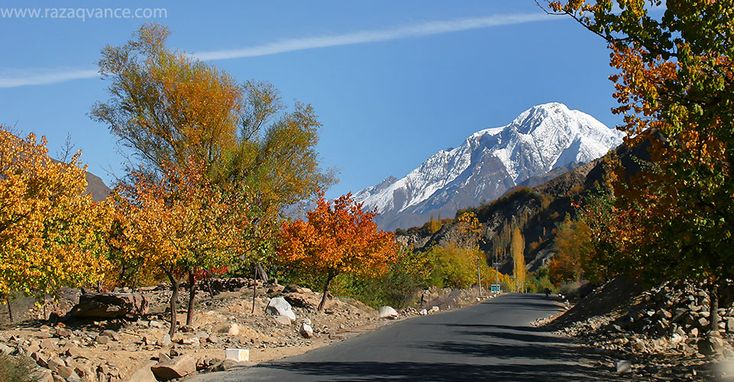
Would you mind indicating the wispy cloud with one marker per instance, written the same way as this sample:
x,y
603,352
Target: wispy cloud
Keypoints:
x,y
31,77
427,28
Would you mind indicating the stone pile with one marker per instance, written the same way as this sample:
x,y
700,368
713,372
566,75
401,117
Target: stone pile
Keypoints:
x,y
667,327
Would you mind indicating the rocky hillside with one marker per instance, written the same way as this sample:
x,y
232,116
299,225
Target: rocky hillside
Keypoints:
x,y
537,207
538,210
654,334
546,139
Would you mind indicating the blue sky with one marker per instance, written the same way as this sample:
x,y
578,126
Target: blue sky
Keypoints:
x,y
392,81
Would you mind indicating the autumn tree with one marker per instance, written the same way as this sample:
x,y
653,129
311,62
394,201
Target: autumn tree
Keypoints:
x,y
453,266
169,108
51,231
470,233
675,89
517,248
178,223
573,249
337,238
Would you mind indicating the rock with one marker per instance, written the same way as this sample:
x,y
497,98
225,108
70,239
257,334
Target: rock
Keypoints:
x,y
40,359
74,352
434,309
176,368
301,300
283,320
237,355
677,338
163,358
165,340
623,366
703,322
730,324
155,324
143,374
278,306
103,340
110,305
193,341
694,332
388,312
5,349
45,375
710,345
423,312
63,333
305,330
234,330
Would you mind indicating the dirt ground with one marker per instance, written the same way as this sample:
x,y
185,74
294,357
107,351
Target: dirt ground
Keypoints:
x,y
113,350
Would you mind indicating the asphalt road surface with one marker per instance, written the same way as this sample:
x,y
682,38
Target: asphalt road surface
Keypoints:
x,y
492,341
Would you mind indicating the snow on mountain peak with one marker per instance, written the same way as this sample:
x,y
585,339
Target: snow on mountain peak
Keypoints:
x,y
488,163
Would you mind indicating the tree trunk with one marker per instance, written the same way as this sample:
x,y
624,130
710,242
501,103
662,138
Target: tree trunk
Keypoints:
x,y
209,285
254,287
714,308
174,300
479,278
10,309
192,296
329,277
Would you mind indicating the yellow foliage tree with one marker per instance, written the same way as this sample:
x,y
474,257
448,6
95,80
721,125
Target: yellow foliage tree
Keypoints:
x,y
470,234
51,231
517,247
177,224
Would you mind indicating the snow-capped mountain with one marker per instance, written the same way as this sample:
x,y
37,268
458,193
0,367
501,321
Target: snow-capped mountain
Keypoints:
x,y
489,162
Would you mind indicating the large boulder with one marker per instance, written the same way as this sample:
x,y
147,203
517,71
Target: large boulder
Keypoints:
x,y
110,305
176,368
388,312
143,373
306,300
278,306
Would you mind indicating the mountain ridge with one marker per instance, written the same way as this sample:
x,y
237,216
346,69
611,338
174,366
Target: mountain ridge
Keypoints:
x,y
489,162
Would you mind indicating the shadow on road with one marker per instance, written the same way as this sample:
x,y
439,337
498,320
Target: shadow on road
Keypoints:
x,y
440,372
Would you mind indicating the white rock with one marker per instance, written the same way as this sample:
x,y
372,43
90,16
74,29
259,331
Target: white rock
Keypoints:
x,y
305,330
423,312
234,330
278,306
434,309
237,355
388,312
623,366
676,338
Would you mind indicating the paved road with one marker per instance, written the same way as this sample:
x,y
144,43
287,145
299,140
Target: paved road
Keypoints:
x,y
489,341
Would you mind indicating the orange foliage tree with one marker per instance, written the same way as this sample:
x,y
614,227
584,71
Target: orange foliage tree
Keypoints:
x,y
338,238
178,223
51,231
675,89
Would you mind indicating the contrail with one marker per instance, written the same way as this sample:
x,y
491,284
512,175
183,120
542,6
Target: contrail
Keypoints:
x,y
363,37
34,77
